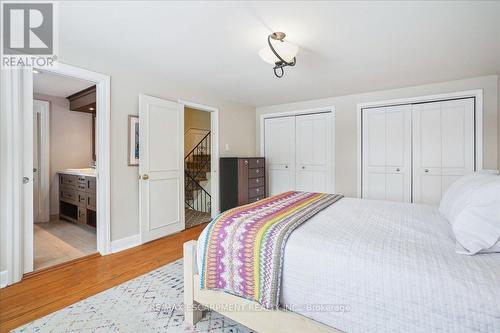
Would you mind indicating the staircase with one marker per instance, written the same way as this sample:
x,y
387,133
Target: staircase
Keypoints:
x,y
196,169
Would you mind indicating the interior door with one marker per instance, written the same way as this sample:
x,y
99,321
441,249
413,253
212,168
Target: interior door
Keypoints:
x,y
41,191
387,153
279,145
443,136
161,167
313,152
26,137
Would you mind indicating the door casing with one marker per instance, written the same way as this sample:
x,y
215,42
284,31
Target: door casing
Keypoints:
x,y
16,204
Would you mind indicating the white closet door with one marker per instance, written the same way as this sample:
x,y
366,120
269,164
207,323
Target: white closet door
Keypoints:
x,y
443,136
279,141
387,153
313,153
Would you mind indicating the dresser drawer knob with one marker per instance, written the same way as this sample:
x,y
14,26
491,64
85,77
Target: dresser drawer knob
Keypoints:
x,y
258,190
257,171
257,181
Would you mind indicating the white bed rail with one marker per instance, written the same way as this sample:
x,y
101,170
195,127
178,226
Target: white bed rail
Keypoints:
x,y
241,310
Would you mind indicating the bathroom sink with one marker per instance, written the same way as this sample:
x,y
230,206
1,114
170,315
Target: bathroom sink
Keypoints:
x,y
88,171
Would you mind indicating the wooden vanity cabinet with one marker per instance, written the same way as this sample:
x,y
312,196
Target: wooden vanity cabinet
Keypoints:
x,y
77,199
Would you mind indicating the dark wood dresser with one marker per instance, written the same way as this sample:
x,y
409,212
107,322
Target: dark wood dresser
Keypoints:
x,y
242,181
77,198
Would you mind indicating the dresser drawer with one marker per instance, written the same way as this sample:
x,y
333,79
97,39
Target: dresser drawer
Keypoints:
x,y
82,199
91,201
255,199
81,180
81,187
68,180
256,182
256,192
68,195
82,215
256,173
91,184
256,162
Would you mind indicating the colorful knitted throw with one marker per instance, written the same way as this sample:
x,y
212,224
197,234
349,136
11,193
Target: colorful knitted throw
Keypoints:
x,y
244,247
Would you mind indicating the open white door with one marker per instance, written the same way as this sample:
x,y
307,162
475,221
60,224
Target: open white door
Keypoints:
x,y
27,167
41,192
161,167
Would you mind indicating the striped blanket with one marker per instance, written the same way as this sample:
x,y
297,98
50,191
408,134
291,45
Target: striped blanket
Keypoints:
x,y
243,251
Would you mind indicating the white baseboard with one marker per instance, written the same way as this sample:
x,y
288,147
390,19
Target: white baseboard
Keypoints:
x,y
3,279
125,243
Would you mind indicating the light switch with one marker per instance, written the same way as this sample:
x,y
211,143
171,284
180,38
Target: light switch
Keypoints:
x,y
226,147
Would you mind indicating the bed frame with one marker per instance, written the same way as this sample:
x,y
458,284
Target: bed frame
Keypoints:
x,y
241,310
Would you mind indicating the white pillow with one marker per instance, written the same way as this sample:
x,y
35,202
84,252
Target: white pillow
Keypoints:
x,y
460,191
476,224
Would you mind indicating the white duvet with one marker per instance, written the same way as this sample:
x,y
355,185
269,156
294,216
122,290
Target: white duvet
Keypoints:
x,y
377,266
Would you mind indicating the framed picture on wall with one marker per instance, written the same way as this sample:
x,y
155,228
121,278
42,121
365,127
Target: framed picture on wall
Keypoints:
x,y
133,140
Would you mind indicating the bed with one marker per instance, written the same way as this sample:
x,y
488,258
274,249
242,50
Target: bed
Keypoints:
x,y
364,265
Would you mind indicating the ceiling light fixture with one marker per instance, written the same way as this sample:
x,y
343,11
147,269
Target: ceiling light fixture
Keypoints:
x,y
280,53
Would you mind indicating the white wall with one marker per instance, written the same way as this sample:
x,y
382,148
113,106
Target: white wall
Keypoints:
x,y
346,122
70,142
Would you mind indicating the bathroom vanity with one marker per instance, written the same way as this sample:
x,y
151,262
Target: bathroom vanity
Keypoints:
x,y
77,196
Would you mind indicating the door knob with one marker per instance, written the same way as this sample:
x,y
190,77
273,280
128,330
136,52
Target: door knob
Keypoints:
x,y
303,167
34,169
286,166
145,176
397,169
426,170
26,180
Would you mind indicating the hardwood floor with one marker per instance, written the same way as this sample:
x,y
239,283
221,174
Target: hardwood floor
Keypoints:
x,y
45,292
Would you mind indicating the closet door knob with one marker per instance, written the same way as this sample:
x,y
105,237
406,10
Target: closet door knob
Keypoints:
x,y
286,166
303,167
426,170
397,169
145,177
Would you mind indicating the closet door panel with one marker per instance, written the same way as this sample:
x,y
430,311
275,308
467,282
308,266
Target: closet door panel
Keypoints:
x,y
398,153
313,154
443,146
457,123
387,153
430,189
427,152
430,135
279,145
374,166
374,186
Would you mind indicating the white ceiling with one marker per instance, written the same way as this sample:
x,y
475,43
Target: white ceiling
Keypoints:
x,y
345,47
57,85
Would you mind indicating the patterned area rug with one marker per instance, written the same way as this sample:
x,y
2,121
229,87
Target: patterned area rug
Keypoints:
x,y
149,303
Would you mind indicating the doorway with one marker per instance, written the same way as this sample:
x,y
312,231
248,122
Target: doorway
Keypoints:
x,y
16,154
197,167
64,174
162,165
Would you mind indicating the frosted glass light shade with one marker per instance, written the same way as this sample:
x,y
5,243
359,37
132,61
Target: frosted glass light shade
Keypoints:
x,y
285,49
